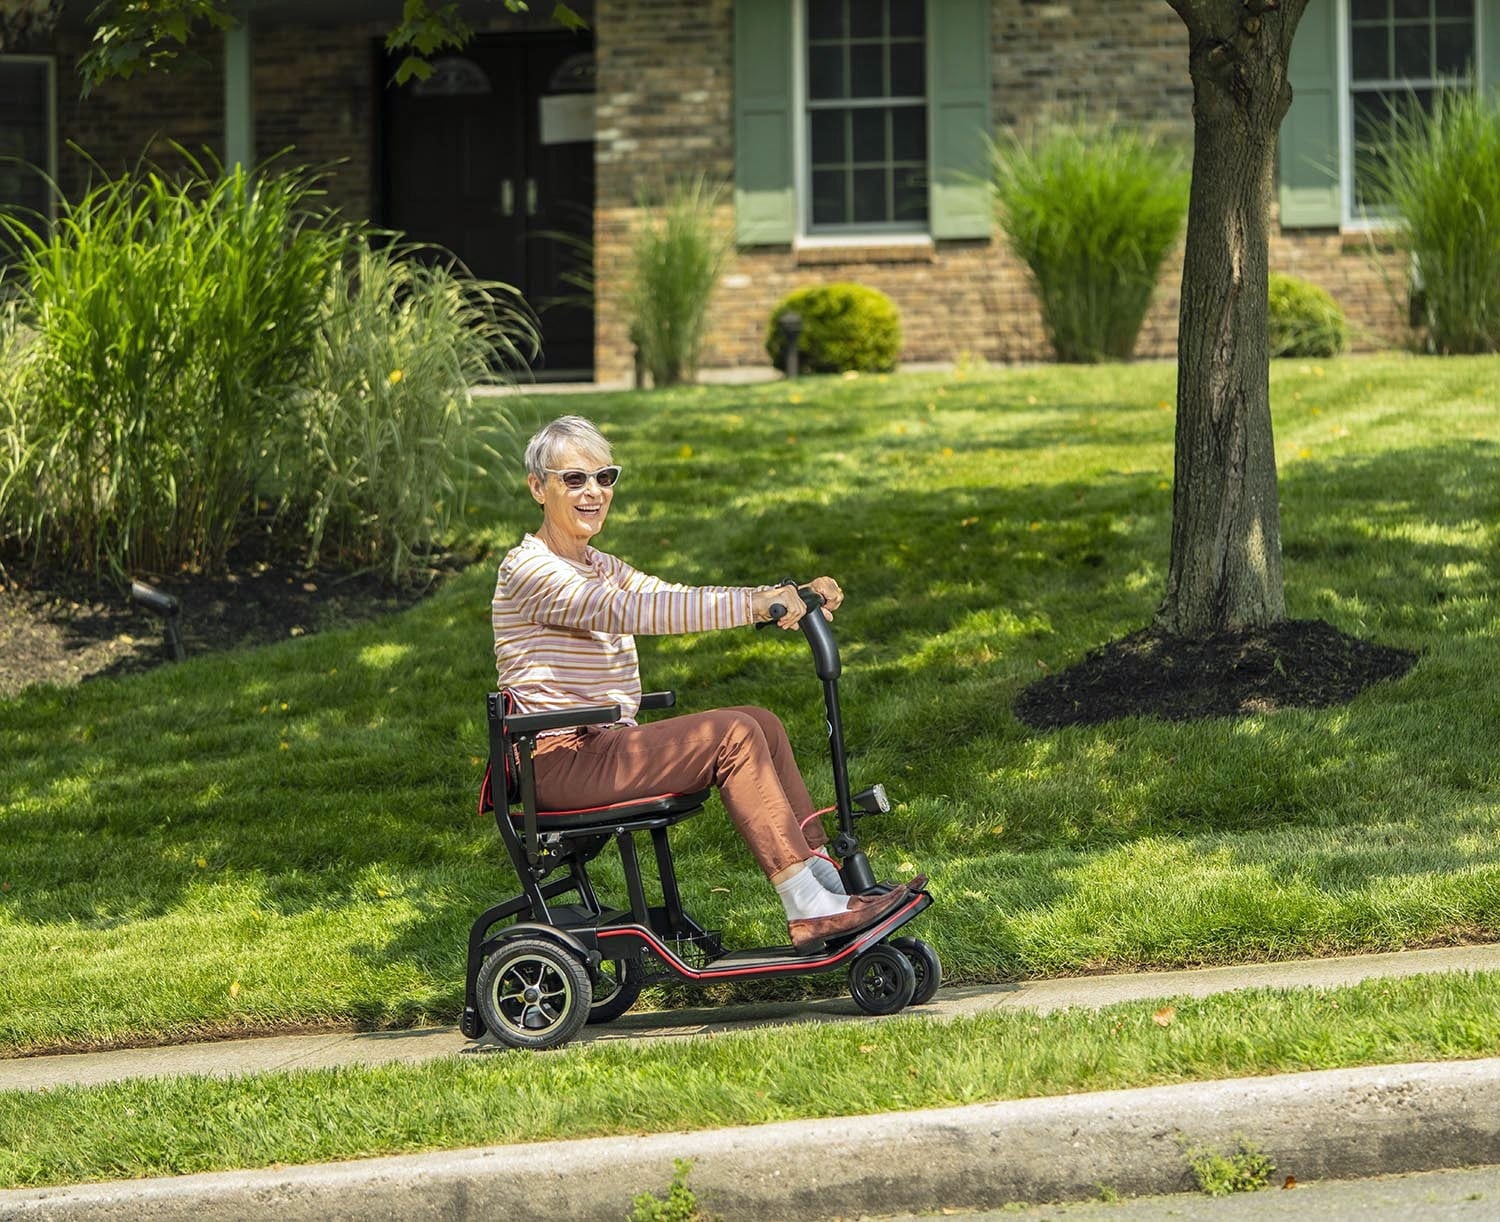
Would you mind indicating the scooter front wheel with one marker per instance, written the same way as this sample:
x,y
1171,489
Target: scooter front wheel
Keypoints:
x,y
925,963
882,980
533,994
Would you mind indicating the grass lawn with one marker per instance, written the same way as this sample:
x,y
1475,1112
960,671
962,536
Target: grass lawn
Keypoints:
x,y
286,836
176,1126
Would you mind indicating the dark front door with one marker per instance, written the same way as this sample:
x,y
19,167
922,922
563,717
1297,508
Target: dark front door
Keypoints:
x,y
492,157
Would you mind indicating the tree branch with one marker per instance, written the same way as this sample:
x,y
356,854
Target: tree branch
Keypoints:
x,y
1215,19
133,36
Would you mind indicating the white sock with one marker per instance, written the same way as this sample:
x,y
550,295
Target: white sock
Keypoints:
x,y
828,874
804,897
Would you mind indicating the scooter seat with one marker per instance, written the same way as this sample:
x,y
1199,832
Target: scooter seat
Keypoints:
x,y
661,809
668,807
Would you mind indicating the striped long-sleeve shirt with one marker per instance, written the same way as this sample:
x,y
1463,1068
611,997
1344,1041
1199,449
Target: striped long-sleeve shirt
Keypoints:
x,y
565,632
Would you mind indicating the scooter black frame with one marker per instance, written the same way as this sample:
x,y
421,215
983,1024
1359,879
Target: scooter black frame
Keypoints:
x,y
622,948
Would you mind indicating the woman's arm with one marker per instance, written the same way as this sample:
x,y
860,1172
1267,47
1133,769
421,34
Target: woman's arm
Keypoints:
x,y
548,590
763,598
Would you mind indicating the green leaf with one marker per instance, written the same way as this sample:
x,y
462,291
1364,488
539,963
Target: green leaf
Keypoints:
x,y
413,67
567,18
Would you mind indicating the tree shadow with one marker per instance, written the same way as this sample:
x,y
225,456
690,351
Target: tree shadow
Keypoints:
x,y
311,769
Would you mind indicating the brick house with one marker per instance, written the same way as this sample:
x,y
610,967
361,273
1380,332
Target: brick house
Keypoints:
x,y
844,127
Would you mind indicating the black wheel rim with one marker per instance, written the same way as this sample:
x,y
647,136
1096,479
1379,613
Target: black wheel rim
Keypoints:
x,y
532,995
879,979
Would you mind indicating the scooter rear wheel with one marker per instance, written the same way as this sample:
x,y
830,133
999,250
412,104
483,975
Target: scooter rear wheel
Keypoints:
x,y
882,980
616,990
533,993
925,963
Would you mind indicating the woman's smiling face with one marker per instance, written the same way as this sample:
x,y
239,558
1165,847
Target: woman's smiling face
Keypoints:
x,y
569,515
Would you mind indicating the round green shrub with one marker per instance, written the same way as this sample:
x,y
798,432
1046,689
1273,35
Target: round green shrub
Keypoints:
x,y
1303,319
844,327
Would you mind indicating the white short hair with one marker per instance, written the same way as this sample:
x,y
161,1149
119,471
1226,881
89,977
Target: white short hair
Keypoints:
x,y
551,439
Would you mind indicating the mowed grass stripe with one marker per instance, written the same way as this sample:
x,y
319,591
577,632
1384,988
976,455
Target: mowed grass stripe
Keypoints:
x,y
287,835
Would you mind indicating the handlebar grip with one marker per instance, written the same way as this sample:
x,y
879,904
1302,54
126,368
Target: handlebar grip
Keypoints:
x,y
776,611
811,599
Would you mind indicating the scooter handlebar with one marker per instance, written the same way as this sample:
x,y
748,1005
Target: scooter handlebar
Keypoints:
x,y
810,598
817,631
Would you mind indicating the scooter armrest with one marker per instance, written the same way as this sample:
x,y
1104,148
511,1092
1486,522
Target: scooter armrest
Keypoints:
x,y
658,700
535,723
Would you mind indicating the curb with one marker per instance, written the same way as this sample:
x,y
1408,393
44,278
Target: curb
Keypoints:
x,y
1331,1124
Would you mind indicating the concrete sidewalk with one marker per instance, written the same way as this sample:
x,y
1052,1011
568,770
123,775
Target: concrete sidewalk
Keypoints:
x,y
226,1058
1335,1124
738,375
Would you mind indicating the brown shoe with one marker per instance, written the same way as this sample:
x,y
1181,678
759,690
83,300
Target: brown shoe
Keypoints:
x,y
863,911
917,883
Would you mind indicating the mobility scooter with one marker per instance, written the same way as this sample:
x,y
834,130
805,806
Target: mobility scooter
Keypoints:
x,y
534,983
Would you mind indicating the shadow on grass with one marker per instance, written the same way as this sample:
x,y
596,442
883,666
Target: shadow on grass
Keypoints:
x,y
331,757
307,773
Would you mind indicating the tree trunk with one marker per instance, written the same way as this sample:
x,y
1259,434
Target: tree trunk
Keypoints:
x,y
1226,528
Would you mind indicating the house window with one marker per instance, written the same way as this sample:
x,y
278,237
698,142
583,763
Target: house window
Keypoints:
x,y
28,141
865,99
1400,54
861,120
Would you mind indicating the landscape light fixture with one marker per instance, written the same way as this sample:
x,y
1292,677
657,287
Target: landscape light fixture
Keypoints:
x,y
791,327
164,605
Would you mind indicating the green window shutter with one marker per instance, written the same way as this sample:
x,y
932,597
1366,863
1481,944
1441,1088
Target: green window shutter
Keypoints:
x,y
765,205
1489,53
1309,149
958,74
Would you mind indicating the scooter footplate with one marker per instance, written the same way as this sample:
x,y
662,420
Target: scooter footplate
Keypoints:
x,y
656,953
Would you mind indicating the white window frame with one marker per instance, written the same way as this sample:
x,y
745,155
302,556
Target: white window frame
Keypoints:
x,y
1353,220
864,235
51,167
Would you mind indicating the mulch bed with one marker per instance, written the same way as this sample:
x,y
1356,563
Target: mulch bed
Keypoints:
x,y
1293,664
63,629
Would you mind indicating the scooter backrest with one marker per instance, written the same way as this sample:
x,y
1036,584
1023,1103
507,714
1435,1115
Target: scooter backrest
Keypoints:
x,y
497,706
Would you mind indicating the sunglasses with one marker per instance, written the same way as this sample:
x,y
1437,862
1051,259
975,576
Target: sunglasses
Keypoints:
x,y
574,480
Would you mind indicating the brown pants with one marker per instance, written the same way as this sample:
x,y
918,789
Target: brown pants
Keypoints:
x,y
744,751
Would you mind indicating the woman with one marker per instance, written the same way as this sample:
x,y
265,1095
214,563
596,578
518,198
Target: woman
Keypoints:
x,y
565,616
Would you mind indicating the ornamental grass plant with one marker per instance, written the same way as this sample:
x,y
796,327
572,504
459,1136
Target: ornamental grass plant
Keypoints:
x,y
180,352
1437,176
677,255
172,319
381,454
1093,210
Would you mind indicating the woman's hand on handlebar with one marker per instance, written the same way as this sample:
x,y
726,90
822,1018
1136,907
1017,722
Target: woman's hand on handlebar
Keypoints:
x,y
783,598
789,598
828,589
